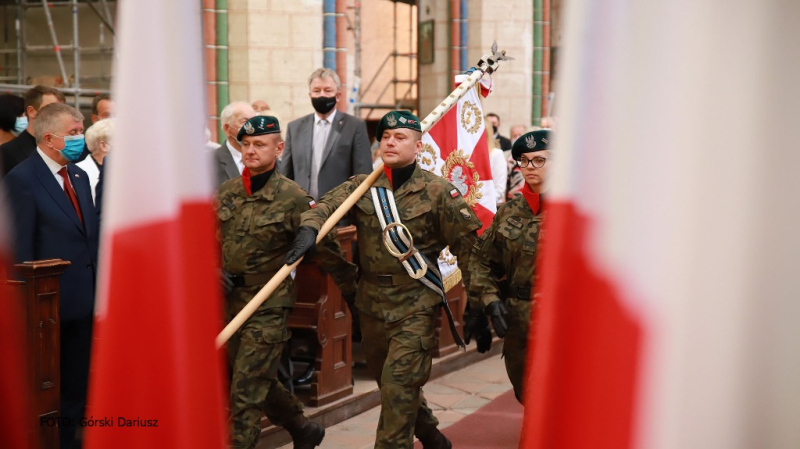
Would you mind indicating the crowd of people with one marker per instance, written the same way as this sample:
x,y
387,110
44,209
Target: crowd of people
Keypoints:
x,y
49,171
277,184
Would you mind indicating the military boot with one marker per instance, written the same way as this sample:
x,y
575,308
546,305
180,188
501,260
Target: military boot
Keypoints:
x,y
434,439
305,434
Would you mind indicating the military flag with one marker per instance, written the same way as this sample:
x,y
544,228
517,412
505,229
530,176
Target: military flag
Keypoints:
x,y
456,148
667,311
156,374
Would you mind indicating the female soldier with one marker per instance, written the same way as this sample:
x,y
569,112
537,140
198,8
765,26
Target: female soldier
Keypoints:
x,y
503,261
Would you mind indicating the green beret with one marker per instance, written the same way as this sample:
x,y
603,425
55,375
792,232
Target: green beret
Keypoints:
x,y
397,119
531,142
259,125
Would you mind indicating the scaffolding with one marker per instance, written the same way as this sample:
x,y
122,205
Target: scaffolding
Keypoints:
x,y
15,78
400,92
403,90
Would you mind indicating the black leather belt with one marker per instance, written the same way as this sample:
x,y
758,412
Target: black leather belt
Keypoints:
x,y
520,292
249,280
388,280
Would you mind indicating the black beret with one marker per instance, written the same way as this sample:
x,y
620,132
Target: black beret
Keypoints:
x,y
531,142
397,119
258,125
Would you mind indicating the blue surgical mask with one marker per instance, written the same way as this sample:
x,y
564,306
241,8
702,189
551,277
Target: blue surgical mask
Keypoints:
x,y
73,147
21,124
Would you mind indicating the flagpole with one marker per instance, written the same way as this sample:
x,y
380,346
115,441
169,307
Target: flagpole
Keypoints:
x,y
487,64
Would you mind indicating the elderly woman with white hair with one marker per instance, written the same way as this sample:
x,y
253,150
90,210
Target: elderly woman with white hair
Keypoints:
x,y
98,140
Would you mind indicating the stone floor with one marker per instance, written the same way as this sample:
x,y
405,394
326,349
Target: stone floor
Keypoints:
x,y
451,397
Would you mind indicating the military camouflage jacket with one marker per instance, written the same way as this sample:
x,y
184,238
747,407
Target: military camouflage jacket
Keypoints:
x,y
506,250
435,214
257,231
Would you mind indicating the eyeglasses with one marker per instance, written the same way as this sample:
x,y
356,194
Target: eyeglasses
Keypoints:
x,y
537,162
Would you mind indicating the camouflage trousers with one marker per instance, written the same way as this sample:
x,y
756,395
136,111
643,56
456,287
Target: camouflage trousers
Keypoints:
x,y
515,343
255,352
399,358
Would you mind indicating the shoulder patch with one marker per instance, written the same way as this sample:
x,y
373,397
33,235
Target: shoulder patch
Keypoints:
x,y
352,177
465,213
312,203
454,193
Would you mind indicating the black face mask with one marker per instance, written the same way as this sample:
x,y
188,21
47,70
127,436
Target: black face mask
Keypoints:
x,y
494,129
323,105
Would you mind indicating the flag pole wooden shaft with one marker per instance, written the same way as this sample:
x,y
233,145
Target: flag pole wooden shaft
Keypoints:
x,y
487,64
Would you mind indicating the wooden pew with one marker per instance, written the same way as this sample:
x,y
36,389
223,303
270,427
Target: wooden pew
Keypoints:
x,y
39,296
321,315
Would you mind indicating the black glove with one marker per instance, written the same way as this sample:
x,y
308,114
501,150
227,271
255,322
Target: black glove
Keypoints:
x,y
497,312
350,299
477,325
304,242
226,279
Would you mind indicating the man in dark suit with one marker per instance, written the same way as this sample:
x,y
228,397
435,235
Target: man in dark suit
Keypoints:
x,y
228,156
504,142
19,149
325,148
54,218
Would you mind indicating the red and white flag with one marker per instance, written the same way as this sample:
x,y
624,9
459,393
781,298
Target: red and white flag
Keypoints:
x,y
456,148
669,298
155,370
15,391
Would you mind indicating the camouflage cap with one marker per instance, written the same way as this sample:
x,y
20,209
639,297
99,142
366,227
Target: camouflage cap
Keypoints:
x,y
258,125
531,142
397,119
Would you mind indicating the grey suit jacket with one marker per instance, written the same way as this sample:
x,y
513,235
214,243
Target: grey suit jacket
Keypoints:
x,y
224,165
347,152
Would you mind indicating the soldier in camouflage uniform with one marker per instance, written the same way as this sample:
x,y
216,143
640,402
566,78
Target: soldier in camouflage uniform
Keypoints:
x,y
259,214
503,259
398,313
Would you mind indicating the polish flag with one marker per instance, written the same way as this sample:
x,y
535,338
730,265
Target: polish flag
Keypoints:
x,y
15,431
667,313
155,370
456,148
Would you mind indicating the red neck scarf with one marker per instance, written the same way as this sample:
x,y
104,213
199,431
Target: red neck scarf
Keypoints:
x,y
246,181
388,172
531,198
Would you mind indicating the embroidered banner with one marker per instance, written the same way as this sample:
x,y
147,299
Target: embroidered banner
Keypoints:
x,y
457,149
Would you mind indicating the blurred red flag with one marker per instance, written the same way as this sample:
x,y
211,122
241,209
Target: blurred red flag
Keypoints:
x,y
666,308
15,382
155,370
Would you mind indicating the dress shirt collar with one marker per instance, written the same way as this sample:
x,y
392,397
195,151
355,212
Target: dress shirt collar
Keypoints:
x,y
51,164
236,154
328,119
